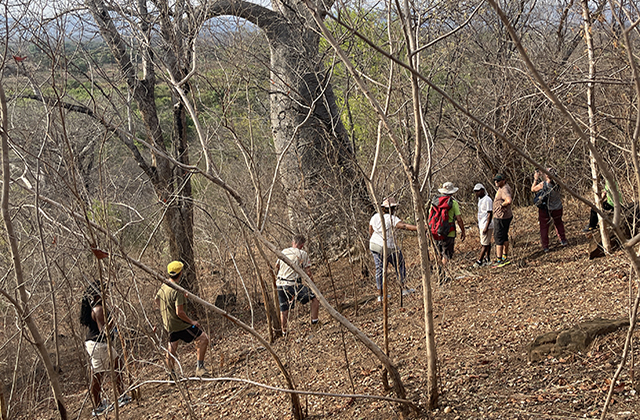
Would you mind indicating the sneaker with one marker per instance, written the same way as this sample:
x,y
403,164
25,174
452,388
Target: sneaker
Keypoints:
x,y
124,400
486,263
589,229
379,298
407,292
564,243
545,250
202,371
497,262
477,264
103,408
504,262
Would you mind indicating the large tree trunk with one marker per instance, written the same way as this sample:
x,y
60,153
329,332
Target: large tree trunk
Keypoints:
x,y
318,167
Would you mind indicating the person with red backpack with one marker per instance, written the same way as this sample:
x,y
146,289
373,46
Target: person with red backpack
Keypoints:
x,y
444,213
376,243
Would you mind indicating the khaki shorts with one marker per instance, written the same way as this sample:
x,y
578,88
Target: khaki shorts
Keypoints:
x,y
485,239
99,353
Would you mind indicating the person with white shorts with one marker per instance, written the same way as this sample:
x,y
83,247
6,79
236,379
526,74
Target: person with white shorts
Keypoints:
x,y
485,225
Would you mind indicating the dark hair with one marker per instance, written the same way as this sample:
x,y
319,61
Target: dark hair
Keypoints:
x,y
92,291
299,239
175,276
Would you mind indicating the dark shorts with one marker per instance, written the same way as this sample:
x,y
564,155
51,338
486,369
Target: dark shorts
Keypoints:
x,y
287,296
501,230
445,246
187,335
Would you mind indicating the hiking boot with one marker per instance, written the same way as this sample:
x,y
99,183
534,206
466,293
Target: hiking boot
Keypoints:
x,y
407,292
124,400
103,408
202,371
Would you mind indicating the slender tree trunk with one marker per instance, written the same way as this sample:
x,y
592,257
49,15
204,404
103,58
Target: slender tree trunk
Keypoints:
x,y
591,108
23,305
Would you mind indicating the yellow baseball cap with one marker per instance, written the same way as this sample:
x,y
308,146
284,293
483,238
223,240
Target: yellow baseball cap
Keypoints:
x,y
174,267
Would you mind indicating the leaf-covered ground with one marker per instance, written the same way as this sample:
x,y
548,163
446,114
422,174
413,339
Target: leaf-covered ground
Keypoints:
x,y
484,320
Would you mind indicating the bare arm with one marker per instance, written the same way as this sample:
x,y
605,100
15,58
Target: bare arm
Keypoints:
x,y
97,313
537,185
370,231
463,233
489,219
183,316
406,226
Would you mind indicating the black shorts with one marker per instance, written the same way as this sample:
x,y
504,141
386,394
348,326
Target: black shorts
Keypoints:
x,y
501,230
446,246
187,335
287,296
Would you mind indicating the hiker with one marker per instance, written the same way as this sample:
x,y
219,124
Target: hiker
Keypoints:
x,y
289,284
606,199
502,217
92,316
178,324
376,244
446,245
485,225
549,207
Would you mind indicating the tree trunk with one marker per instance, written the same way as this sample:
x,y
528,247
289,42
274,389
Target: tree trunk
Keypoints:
x,y
22,307
318,167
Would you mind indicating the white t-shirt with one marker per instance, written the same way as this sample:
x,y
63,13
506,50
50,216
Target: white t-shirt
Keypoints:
x,y
376,224
485,205
285,272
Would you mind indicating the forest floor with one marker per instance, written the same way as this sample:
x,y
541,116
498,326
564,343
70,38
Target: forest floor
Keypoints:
x,y
484,320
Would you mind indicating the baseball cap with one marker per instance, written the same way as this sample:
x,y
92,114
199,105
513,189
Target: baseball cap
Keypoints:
x,y
499,177
174,267
478,187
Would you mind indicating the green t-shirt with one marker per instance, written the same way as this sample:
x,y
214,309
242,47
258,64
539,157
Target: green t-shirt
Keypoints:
x,y
169,301
453,212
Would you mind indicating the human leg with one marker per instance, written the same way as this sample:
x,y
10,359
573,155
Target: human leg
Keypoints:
x,y
201,343
315,308
284,318
377,259
96,388
172,355
397,260
285,299
544,221
557,221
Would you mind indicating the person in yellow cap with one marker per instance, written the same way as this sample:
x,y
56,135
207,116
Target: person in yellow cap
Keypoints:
x,y
178,324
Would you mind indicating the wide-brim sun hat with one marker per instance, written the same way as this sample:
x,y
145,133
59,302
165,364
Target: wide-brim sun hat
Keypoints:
x,y
174,268
448,188
389,202
478,187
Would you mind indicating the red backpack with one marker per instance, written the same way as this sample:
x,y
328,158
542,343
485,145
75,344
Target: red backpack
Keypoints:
x,y
439,217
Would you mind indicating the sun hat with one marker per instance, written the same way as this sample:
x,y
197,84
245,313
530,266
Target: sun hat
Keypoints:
x,y
174,268
448,188
499,177
478,187
389,202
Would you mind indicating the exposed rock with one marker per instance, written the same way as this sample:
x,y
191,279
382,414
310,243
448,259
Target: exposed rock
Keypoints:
x,y
572,340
